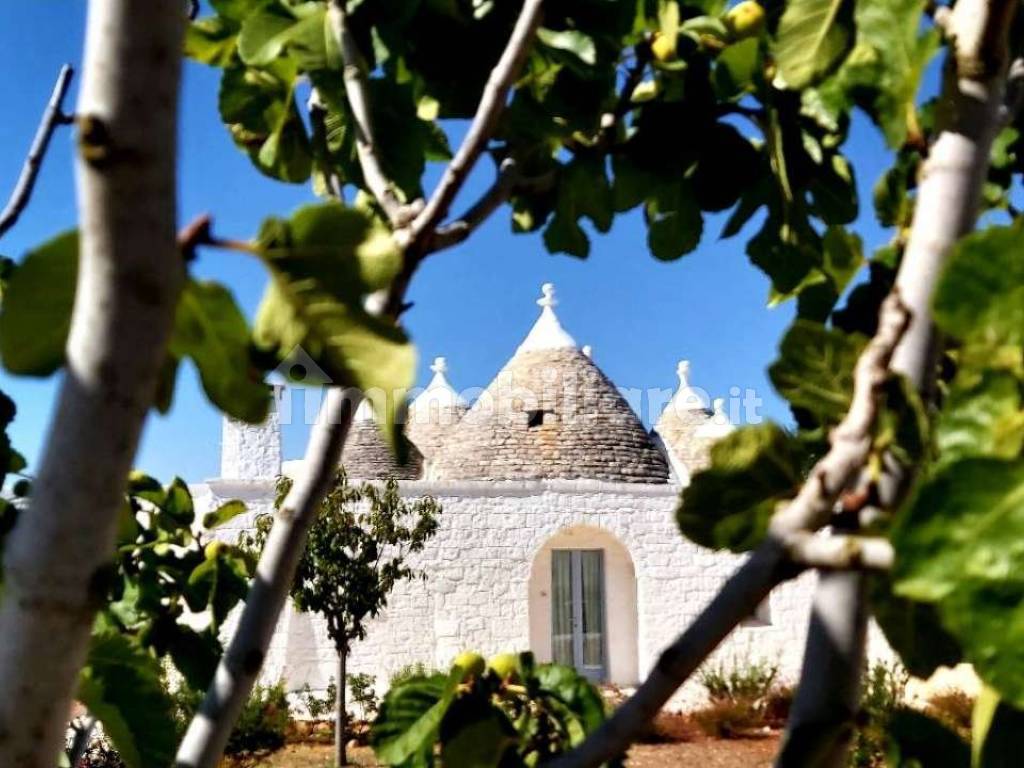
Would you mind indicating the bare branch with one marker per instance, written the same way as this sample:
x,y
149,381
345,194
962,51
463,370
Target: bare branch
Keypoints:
x,y
458,230
770,564
509,181
236,674
946,208
357,92
53,116
492,103
851,439
207,734
839,551
738,599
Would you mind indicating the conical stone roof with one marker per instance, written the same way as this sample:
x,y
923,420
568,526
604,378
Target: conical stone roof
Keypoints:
x,y
687,427
367,457
550,413
435,412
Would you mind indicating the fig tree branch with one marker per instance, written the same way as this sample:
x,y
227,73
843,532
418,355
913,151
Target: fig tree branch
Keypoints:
x,y
953,175
946,208
492,104
207,734
236,674
770,564
492,199
509,182
851,439
357,93
317,118
52,116
738,598
841,551
820,724
635,73
129,278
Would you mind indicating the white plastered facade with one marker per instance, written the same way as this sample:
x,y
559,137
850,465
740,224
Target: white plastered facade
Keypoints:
x,y
489,571
489,574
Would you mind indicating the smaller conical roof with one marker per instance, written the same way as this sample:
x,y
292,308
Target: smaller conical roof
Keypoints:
x,y
435,411
367,457
685,414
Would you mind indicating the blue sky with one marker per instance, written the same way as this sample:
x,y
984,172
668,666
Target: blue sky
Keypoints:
x,y
473,304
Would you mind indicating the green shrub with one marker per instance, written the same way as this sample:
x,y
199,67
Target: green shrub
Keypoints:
x,y
261,725
750,680
320,707
263,721
364,694
410,672
742,697
885,687
511,712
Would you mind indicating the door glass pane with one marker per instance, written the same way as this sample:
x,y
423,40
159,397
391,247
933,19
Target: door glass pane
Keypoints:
x,y
561,607
592,591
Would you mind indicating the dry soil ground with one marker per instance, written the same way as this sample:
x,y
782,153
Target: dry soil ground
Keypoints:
x,y
740,753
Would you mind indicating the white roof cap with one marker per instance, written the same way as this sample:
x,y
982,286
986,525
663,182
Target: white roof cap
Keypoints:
x,y
439,391
547,332
686,397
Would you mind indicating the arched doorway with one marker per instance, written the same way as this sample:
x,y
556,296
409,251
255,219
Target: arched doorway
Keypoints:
x,y
583,605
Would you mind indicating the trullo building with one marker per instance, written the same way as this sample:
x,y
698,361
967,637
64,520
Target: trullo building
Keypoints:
x,y
557,534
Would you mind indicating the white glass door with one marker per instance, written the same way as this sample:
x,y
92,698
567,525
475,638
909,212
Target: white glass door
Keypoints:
x,y
577,610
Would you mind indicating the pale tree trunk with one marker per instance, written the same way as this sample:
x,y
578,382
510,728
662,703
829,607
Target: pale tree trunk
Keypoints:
x,y
824,710
130,274
946,208
341,715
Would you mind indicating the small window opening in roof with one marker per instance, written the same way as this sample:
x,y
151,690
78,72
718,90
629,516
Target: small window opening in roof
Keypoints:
x,y
539,418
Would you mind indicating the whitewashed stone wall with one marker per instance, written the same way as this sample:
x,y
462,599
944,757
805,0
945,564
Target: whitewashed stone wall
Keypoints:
x,y
251,451
477,593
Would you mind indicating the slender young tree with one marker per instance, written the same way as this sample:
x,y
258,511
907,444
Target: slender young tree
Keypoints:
x,y
358,550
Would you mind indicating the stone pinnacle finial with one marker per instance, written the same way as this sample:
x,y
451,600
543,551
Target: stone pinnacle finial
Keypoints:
x,y
547,332
683,370
440,365
547,298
